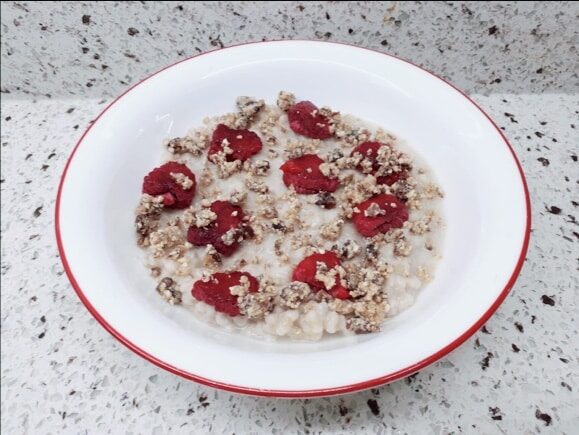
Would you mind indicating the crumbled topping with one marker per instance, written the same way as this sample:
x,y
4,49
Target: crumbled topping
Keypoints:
x,y
195,144
374,210
285,100
326,200
348,250
169,291
294,294
247,109
432,191
360,325
182,180
211,259
356,192
256,185
225,169
242,288
402,247
423,274
255,305
169,241
148,215
268,212
297,148
260,168
330,277
332,230
155,271
204,217
237,197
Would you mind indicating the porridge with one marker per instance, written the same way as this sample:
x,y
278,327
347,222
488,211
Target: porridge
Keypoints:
x,y
290,220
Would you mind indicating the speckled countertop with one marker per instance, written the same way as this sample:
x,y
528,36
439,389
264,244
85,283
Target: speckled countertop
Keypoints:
x,y
62,62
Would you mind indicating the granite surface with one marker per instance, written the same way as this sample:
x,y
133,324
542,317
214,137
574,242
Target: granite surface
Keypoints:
x,y
62,373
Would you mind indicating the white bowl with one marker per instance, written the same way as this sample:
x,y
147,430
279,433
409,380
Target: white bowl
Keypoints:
x,y
486,208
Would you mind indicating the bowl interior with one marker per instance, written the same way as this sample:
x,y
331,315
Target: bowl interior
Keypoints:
x,y
484,208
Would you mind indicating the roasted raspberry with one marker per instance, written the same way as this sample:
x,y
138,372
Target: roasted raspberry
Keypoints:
x,y
226,232
305,119
306,270
303,173
160,182
216,291
390,213
243,143
370,151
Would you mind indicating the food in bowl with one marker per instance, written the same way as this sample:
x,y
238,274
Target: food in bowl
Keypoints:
x,y
290,220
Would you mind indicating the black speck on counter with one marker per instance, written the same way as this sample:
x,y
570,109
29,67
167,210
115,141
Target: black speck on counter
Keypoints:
x,y
486,360
373,405
573,157
86,19
544,161
38,211
542,416
539,134
132,31
343,410
493,30
519,327
515,348
553,209
495,413
548,300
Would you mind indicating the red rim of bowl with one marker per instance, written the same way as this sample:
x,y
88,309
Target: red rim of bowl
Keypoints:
x,y
391,377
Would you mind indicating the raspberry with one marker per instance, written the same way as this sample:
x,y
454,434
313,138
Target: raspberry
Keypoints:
x,y
306,270
229,217
393,213
303,173
160,182
243,143
305,119
370,151
215,292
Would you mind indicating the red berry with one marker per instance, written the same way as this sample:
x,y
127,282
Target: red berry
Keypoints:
x,y
160,182
393,214
243,143
370,151
303,173
305,119
306,270
216,293
229,217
